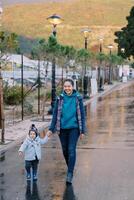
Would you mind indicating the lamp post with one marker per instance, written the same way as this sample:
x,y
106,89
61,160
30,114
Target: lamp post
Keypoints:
x,y
100,78
54,20
110,47
122,51
85,32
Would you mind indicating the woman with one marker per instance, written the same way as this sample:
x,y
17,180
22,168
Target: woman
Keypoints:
x,y
69,121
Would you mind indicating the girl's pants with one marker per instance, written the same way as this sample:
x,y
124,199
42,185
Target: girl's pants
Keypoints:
x,y
68,139
31,164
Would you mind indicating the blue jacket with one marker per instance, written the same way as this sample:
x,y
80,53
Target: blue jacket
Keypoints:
x,y
32,148
80,113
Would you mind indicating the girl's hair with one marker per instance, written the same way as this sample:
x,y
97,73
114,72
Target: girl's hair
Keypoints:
x,y
33,128
70,81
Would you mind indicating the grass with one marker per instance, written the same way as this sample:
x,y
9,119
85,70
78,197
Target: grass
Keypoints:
x,y
104,17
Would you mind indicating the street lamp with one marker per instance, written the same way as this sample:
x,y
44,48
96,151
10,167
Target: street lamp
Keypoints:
x,y
100,78
85,32
54,20
110,47
122,51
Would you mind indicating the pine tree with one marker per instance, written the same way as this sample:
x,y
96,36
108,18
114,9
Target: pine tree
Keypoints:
x,y
125,37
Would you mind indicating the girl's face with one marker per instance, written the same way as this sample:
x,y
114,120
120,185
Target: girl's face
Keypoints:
x,y
32,135
68,88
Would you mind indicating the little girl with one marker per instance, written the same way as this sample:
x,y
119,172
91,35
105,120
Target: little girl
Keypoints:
x,y
31,148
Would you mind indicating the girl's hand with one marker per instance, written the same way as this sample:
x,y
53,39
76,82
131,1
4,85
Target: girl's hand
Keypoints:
x,y
20,153
82,136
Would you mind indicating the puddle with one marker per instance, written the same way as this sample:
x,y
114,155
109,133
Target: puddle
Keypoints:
x,y
2,156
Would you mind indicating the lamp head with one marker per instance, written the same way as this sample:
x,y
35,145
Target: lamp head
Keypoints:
x,y
110,46
122,50
101,39
55,19
86,32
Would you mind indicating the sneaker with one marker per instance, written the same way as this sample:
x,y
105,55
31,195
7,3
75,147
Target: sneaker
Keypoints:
x,y
69,178
34,177
28,177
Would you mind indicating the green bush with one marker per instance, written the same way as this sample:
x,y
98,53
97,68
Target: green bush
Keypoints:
x,y
12,95
46,95
28,107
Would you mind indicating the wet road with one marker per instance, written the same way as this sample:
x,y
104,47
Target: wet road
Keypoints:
x,y
105,165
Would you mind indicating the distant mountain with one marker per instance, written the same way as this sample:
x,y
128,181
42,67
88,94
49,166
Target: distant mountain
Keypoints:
x,y
12,2
103,17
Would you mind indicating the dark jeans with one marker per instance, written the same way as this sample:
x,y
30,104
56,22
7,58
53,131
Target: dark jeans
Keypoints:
x,y
31,164
68,139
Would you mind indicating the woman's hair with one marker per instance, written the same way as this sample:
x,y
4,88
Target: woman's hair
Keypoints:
x,y
70,81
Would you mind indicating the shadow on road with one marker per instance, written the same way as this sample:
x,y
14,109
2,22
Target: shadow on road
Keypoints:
x,y
32,191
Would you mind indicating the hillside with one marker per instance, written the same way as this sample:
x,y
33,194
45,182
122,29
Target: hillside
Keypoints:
x,y
11,2
102,16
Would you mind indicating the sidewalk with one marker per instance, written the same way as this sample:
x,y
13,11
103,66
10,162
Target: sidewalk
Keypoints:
x,y
17,132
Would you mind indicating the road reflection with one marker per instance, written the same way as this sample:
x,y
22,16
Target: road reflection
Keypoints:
x,y
2,156
69,193
2,189
32,191
111,116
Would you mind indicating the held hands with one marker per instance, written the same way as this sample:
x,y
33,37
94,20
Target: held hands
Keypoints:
x,y
49,133
81,136
20,153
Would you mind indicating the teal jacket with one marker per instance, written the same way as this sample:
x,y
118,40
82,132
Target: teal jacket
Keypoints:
x,y
68,113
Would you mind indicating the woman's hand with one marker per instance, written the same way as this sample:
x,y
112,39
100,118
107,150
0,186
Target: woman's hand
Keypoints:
x,y
82,136
49,133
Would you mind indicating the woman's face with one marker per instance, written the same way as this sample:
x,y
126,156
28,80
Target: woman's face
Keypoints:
x,y
68,88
